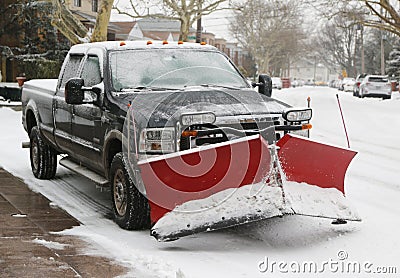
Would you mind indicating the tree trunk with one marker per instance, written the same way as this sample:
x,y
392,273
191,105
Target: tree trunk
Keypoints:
x,y
68,24
184,31
102,20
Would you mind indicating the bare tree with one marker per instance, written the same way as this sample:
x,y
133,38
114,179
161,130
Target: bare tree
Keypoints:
x,y
385,15
269,30
380,14
337,44
70,26
185,11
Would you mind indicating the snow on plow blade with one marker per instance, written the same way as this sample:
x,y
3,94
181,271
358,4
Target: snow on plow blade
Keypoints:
x,y
237,182
314,177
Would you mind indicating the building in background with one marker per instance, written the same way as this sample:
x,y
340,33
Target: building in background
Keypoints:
x,y
309,70
158,29
86,12
168,30
123,28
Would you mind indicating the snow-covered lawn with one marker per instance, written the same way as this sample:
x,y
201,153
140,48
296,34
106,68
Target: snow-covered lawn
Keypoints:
x,y
278,247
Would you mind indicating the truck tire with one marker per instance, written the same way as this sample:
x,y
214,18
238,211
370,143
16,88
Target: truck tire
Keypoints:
x,y
43,157
131,209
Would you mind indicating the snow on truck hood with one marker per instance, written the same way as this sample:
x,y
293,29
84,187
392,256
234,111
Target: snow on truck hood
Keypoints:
x,y
157,108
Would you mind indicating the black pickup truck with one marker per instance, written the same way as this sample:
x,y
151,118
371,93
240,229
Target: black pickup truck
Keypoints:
x,y
183,96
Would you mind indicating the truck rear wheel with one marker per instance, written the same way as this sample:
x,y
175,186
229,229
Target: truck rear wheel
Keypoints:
x,y
130,207
43,157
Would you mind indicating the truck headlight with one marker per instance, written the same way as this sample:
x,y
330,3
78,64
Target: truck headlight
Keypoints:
x,y
157,140
297,115
197,118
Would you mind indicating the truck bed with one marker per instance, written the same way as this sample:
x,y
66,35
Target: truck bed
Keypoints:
x,y
38,95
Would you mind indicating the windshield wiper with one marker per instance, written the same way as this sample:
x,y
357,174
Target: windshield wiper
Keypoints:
x,y
148,88
220,86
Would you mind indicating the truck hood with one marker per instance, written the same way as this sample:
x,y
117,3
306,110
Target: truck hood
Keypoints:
x,y
164,108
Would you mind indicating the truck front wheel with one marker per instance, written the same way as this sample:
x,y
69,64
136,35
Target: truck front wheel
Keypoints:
x,y
43,157
130,207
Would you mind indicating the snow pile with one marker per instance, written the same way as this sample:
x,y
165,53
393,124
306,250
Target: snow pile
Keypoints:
x,y
312,200
8,102
254,201
395,95
4,102
50,244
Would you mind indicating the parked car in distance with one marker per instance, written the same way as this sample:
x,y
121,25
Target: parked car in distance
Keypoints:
x,y
347,84
276,83
340,85
309,82
375,86
336,83
356,87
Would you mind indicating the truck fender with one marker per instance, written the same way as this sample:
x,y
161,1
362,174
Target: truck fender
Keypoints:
x,y
112,146
31,106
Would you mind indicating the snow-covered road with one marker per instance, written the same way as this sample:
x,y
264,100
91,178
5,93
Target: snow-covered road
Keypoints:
x,y
282,244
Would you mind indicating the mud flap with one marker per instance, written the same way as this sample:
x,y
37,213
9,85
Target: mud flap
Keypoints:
x,y
314,177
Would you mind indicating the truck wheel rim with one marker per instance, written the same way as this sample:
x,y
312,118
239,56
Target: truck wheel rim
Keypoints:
x,y
35,155
120,195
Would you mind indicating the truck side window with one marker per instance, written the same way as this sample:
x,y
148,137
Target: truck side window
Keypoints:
x,y
71,69
91,71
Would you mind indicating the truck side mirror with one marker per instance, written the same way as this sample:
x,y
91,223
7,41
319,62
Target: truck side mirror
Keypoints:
x,y
74,94
265,85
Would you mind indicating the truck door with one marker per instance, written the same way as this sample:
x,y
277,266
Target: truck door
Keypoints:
x,y
62,110
87,128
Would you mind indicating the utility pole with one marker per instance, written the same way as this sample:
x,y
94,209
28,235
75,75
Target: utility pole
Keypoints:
x,y
198,31
362,50
382,55
357,27
315,68
382,49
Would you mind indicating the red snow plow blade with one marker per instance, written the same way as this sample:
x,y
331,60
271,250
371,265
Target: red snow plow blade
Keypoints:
x,y
241,181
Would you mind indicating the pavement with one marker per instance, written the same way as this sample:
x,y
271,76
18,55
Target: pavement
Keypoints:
x,y
28,245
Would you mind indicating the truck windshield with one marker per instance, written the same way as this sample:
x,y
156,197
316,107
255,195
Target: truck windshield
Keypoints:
x,y
171,69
